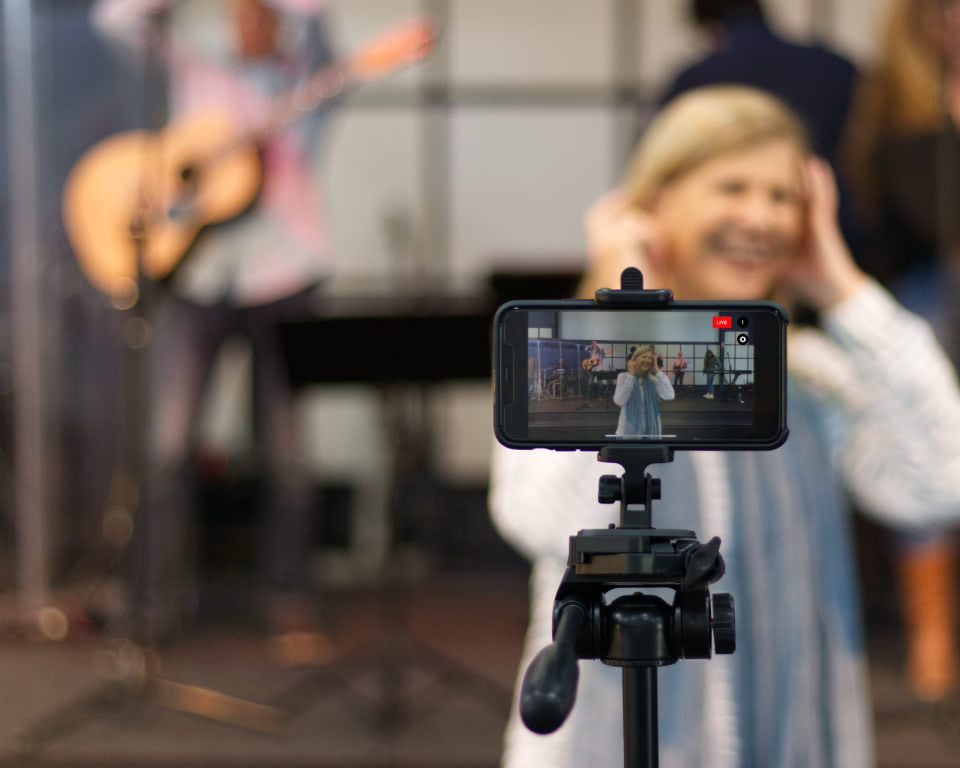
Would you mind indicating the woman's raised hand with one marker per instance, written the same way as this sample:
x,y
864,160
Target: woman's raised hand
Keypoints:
x,y
621,235
824,273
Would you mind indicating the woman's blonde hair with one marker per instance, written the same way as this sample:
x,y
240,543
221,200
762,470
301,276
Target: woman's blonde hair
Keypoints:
x,y
701,125
642,350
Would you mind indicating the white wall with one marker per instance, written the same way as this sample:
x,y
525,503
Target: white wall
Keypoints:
x,y
534,42
532,133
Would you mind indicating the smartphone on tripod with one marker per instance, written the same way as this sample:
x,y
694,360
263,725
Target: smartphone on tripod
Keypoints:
x,y
577,374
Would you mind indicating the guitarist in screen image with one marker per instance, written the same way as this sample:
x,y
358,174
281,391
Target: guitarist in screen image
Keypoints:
x,y
250,88
593,364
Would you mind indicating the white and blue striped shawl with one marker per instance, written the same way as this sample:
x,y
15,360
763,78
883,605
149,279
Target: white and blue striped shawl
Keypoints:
x,y
794,693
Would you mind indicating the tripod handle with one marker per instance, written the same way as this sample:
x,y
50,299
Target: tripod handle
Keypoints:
x,y
549,686
704,564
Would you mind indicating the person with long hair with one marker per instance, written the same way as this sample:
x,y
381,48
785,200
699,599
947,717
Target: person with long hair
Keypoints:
x,y
903,148
722,202
904,154
711,364
639,391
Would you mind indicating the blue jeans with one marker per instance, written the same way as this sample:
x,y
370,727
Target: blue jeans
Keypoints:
x,y
710,377
186,339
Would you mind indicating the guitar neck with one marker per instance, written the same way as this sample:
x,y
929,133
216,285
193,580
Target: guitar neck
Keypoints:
x,y
402,45
318,89
305,98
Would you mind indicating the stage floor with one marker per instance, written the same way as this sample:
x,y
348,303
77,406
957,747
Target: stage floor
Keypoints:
x,y
452,714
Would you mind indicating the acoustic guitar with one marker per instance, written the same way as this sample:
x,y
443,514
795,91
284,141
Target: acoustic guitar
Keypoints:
x,y
147,195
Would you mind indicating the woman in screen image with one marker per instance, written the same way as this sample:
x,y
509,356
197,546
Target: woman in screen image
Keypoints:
x,y
639,391
710,367
722,202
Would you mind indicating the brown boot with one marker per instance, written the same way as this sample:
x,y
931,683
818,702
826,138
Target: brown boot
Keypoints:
x,y
928,589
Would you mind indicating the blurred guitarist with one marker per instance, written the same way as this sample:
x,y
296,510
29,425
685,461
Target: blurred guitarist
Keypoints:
x,y
238,277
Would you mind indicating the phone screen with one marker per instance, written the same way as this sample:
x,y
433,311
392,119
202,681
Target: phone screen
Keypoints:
x,y
693,375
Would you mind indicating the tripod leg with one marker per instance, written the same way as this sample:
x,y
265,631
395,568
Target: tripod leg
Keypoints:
x,y
640,738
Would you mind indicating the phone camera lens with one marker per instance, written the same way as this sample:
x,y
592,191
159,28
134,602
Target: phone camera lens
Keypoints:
x,y
742,338
742,322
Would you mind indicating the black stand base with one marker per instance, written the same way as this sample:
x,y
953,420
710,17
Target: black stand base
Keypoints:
x,y
638,632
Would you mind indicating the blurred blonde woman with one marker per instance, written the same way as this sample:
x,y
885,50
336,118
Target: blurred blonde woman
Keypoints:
x,y
721,201
905,155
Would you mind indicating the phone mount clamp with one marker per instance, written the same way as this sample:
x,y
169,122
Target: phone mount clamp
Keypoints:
x,y
637,632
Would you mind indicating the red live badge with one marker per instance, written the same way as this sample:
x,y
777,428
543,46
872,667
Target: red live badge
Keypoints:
x,y
723,322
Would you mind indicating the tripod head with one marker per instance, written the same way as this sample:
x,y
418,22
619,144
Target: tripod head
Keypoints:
x,y
638,632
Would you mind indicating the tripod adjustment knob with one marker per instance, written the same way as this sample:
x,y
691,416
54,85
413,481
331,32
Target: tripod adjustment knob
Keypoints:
x,y
609,490
724,624
654,487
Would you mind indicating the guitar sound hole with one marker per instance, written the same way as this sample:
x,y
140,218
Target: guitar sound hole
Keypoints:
x,y
186,173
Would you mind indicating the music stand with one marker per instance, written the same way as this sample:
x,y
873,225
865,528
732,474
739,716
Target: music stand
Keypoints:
x,y
464,338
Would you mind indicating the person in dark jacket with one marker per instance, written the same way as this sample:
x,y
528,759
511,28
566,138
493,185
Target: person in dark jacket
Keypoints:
x,y
818,83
